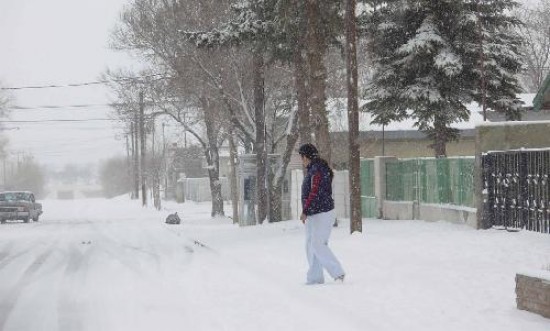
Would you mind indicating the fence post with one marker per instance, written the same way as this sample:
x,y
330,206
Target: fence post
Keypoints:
x,y
479,203
380,182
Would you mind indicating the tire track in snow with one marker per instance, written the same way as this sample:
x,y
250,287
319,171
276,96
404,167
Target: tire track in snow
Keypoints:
x,y
71,307
8,301
6,261
6,257
5,251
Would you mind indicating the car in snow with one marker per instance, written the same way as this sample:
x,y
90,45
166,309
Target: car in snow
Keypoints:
x,y
19,205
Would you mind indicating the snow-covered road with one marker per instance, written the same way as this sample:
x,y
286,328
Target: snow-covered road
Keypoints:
x,y
111,265
78,274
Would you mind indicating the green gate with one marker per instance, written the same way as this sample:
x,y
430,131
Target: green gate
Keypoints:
x,y
368,199
431,180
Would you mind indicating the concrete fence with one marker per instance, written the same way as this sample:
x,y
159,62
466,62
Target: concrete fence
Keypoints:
x,y
533,292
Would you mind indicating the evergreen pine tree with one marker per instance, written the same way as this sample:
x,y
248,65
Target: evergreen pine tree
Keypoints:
x,y
431,58
498,56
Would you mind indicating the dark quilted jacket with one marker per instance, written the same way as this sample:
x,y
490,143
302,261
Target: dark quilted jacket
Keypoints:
x,y
317,189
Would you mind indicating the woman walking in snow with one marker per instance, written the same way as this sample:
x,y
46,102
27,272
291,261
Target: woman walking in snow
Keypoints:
x,y
318,216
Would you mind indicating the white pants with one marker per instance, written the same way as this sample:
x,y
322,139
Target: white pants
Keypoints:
x,y
319,255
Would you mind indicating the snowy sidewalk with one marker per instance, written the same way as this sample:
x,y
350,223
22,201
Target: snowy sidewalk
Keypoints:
x,y
111,265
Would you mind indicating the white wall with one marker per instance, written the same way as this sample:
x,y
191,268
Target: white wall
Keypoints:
x,y
198,189
340,193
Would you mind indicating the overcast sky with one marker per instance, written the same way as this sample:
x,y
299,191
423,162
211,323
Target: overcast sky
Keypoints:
x,y
59,42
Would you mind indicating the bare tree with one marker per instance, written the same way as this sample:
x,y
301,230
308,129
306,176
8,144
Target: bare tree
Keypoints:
x,y
128,106
152,29
29,175
535,33
210,91
199,116
4,102
5,99
282,131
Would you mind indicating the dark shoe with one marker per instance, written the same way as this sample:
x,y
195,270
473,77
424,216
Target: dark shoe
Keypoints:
x,y
340,278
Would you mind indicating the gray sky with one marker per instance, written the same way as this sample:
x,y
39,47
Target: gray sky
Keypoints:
x,y
59,42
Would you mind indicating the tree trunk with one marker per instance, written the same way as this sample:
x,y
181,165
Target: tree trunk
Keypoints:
x,y
135,155
143,148
260,143
440,141
277,181
276,204
300,73
353,118
155,170
156,191
233,174
317,79
213,158
303,108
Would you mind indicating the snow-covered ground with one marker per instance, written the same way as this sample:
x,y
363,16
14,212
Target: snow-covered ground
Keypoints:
x,y
112,265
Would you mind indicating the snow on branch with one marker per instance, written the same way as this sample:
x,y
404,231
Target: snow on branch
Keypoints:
x,y
426,37
246,27
420,92
449,62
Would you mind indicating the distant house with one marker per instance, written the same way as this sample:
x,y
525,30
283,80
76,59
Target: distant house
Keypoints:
x,y
402,139
190,162
76,190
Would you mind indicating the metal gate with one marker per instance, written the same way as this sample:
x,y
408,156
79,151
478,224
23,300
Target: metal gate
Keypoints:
x,y
516,189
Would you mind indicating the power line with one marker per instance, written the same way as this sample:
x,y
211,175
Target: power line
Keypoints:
x,y
54,86
63,106
98,82
113,104
61,120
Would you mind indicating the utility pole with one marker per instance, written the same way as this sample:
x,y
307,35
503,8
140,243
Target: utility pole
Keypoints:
x,y
156,171
128,156
164,163
135,154
143,149
353,117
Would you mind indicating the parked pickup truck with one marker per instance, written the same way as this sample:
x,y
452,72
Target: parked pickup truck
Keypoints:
x,y
19,205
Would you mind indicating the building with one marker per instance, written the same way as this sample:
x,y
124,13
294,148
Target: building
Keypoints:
x,y
402,139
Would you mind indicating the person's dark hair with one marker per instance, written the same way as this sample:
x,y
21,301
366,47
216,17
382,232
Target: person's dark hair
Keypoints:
x,y
311,152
